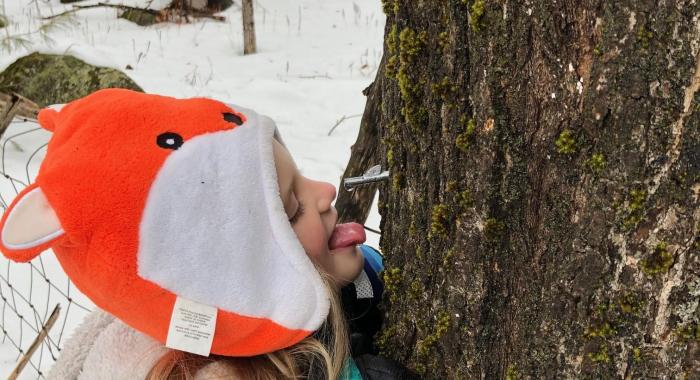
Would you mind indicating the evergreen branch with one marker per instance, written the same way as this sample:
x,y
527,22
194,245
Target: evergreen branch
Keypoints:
x,y
22,40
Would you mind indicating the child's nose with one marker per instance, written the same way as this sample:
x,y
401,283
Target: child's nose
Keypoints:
x,y
327,194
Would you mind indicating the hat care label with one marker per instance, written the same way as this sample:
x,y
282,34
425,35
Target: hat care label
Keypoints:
x,y
192,327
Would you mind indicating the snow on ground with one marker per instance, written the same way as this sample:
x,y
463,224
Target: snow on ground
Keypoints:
x,y
315,57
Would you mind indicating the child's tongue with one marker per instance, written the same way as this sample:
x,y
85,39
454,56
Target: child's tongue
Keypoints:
x,y
345,235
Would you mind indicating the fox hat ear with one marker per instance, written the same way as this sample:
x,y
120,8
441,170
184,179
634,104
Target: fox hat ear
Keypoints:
x,y
29,226
47,119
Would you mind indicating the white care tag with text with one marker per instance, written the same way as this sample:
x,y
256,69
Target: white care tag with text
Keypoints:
x,y
192,327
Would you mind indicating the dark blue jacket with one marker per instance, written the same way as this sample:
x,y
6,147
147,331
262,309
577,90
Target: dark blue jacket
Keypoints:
x,y
360,303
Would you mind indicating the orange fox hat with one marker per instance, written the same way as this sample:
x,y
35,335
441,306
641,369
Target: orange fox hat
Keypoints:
x,y
146,198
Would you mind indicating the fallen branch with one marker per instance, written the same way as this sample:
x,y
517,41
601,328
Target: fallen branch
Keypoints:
x,y
162,15
12,105
77,8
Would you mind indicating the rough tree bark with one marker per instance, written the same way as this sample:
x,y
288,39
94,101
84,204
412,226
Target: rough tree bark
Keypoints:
x,y
543,215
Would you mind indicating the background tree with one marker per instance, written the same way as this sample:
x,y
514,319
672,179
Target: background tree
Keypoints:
x,y
354,205
542,217
249,46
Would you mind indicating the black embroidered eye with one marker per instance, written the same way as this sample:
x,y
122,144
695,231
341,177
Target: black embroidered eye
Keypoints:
x,y
169,140
232,118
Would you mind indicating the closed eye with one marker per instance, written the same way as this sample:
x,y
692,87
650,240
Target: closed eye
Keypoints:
x,y
298,214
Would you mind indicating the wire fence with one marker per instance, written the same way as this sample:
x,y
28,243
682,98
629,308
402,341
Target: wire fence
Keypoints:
x,y
30,291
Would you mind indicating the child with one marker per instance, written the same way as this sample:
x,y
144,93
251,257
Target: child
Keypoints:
x,y
188,221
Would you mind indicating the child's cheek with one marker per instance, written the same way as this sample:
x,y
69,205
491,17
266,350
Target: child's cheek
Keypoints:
x,y
348,266
312,239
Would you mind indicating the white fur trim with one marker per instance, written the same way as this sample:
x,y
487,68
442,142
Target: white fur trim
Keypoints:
x,y
214,230
70,362
104,348
121,353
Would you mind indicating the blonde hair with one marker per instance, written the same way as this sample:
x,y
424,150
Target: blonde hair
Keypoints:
x,y
320,356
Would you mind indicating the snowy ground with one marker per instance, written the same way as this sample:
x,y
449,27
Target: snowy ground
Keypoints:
x,y
315,57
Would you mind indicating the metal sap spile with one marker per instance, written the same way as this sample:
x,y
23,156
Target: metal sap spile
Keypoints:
x,y
373,174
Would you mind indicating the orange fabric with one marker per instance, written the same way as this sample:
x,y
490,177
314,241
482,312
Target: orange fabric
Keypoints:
x,y
99,166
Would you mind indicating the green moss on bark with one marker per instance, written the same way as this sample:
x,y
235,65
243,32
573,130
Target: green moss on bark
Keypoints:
x,y
465,138
392,281
444,89
635,210
441,326
688,333
493,230
439,220
602,331
388,7
476,14
465,200
597,162
565,143
410,44
600,356
512,373
443,40
644,36
659,262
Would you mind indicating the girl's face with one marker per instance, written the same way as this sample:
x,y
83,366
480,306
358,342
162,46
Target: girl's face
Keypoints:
x,y
313,218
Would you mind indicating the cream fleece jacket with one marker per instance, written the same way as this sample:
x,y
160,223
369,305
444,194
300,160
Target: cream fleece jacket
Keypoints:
x,y
104,348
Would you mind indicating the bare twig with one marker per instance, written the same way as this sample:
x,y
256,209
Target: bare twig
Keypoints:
x,y
341,120
372,230
35,344
321,76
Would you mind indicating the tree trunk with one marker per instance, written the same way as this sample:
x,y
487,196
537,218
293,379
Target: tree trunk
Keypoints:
x,y
248,27
354,205
543,215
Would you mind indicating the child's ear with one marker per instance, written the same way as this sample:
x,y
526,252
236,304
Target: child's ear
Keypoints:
x,y
29,226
